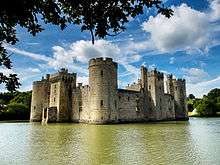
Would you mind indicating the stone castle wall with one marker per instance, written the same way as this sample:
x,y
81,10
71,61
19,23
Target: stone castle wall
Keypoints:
x,y
102,102
130,106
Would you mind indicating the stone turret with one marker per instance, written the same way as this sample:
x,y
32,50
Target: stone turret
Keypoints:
x,y
103,90
169,85
181,112
40,99
156,94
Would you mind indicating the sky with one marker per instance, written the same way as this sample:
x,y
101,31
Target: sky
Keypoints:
x,y
186,45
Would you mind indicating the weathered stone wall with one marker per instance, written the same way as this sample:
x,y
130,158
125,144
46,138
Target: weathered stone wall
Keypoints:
x,y
40,99
130,106
168,108
181,111
156,95
134,86
84,104
103,90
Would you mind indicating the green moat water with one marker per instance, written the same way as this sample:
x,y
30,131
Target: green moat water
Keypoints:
x,y
194,142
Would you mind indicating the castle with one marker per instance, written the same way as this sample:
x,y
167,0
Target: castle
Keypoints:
x,y
57,98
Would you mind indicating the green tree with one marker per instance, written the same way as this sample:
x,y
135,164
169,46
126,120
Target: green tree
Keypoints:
x,y
214,94
206,108
16,111
23,98
100,17
191,96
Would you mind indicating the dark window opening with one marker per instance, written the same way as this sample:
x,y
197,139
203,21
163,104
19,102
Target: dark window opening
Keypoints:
x,y
54,99
128,98
101,103
149,87
101,72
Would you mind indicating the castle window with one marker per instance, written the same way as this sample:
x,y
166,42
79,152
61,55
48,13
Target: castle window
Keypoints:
x,y
128,98
101,72
119,97
149,87
54,99
176,88
149,99
101,103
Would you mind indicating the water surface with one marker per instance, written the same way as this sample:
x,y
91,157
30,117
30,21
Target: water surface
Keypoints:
x,y
196,141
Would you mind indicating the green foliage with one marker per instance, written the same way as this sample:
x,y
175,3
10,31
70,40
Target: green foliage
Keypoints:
x,y
191,96
23,98
207,106
99,17
15,106
16,111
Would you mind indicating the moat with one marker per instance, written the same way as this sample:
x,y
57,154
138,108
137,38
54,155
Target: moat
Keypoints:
x,y
196,141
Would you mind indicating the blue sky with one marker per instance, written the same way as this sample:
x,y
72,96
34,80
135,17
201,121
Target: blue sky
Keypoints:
x,y
187,45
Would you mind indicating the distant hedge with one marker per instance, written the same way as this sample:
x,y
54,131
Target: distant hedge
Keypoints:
x,y
15,106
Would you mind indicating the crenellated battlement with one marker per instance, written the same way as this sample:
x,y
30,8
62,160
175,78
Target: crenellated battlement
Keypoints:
x,y
155,73
101,61
179,81
169,76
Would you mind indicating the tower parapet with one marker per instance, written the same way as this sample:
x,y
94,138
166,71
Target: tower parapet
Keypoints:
x,y
103,90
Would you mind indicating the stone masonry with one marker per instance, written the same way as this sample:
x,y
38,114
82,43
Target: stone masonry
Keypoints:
x,y
57,98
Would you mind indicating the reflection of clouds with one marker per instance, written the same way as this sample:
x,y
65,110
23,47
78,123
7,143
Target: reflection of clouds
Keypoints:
x,y
205,138
193,142
156,144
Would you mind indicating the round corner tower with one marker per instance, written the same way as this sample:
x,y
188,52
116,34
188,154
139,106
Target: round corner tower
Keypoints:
x,y
39,100
103,90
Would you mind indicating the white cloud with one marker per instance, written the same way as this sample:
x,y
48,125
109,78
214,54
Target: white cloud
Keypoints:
x,y
6,71
187,30
34,56
198,81
215,10
83,79
202,88
82,51
172,60
194,75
